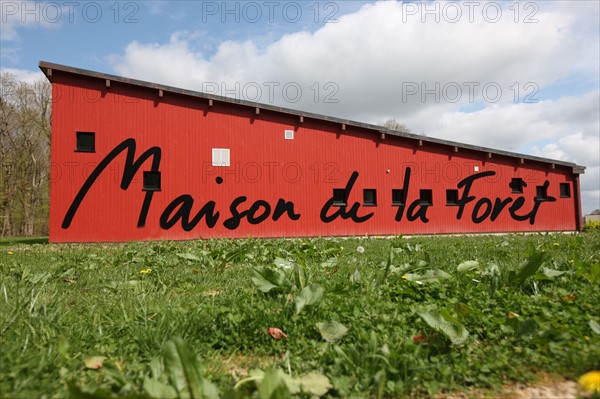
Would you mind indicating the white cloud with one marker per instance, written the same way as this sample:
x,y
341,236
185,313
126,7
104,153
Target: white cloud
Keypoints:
x,y
583,150
24,75
515,127
375,54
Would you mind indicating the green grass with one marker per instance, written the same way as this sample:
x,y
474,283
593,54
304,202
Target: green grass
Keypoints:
x,y
9,241
61,304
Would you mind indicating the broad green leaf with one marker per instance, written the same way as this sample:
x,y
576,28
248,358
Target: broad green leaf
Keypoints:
x,y
156,367
467,266
40,277
158,389
184,372
332,331
444,322
272,385
551,272
461,309
314,384
283,264
309,296
355,277
266,278
329,262
429,276
534,261
291,383
188,256
299,276
595,326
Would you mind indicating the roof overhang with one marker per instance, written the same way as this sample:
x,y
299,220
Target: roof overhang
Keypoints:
x,y
47,68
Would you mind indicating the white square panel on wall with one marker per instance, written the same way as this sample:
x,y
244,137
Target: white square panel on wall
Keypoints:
x,y
220,157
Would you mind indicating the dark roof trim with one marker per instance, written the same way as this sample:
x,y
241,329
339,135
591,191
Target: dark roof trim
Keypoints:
x,y
47,68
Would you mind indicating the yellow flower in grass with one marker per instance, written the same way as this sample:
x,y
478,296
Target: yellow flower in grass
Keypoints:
x,y
146,271
590,382
556,244
10,253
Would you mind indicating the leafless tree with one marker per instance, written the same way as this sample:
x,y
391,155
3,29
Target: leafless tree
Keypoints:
x,y
25,156
393,124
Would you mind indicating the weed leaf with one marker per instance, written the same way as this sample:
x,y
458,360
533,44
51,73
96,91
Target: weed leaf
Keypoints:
x,y
309,296
595,326
551,273
184,371
331,331
273,385
445,323
429,276
467,266
188,256
266,278
534,261
158,389
314,384
283,264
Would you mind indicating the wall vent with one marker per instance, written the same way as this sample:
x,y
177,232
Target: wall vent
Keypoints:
x,y
220,157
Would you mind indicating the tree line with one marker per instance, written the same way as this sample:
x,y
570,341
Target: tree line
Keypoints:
x,y
25,110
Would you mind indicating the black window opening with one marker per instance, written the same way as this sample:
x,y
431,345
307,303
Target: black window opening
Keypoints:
x,y
565,190
151,181
451,197
541,194
369,197
86,142
339,197
425,197
517,184
398,197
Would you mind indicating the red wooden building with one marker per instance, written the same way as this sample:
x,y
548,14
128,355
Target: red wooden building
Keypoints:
x,y
133,160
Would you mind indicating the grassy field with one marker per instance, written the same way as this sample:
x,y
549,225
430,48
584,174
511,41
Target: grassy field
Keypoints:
x,y
363,317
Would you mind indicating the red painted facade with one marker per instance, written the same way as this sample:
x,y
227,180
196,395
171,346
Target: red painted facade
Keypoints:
x,y
290,180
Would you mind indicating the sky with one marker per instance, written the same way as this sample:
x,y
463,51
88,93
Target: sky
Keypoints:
x,y
516,76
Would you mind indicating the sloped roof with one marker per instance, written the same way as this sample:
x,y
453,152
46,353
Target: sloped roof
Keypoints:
x,y
48,67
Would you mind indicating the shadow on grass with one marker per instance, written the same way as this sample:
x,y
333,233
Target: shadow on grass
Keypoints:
x,y
6,241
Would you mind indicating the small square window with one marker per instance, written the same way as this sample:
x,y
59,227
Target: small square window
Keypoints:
x,y
369,197
289,134
398,197
451,197
151,181
517,184
565,190
86,142
425,197
339,197
540,193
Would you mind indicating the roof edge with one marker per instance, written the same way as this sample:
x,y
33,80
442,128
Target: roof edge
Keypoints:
x,y
47,67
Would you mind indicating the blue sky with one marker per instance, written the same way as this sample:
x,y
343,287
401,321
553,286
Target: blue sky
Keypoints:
x,y
532,66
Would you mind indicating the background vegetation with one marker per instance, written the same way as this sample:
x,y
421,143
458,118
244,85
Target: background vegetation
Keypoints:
x,y
24,156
